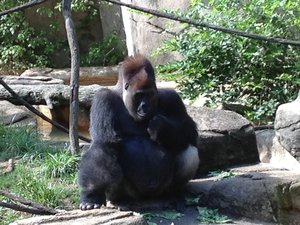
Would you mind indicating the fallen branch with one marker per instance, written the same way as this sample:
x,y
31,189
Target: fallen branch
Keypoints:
x,y
27,205
207,25
21,7
51,95
35,111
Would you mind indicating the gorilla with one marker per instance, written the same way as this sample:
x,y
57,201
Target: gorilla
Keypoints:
x,y
143,141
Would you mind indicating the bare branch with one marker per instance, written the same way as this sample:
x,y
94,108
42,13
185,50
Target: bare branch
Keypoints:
x,y
30,206
74,82
21,7
207,25
38,113
160,29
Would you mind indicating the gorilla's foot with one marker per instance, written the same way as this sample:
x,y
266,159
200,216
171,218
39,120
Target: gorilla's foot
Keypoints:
x,y
88,206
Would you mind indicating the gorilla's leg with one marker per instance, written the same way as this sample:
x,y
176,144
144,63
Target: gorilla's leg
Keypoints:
x,y
187,163
99,171
147,168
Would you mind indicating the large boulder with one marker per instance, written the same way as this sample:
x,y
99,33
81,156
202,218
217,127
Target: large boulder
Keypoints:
x,y
271,151
258,192
287,126
11,114
225,138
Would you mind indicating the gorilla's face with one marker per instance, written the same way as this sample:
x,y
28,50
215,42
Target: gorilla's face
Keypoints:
x,y
140,103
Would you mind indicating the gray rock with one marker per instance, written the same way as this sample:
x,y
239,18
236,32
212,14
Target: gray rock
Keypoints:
x,y
287,126
257,192
11,114
225,138
271,151
144,34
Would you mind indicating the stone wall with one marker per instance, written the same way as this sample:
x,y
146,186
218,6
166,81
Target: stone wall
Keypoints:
x,y
142,33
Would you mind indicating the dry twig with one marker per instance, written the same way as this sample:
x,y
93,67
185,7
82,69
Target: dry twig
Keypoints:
x,y
24,205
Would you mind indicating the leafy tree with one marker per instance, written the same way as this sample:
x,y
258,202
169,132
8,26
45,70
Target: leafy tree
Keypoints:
x,y
227,68
21,46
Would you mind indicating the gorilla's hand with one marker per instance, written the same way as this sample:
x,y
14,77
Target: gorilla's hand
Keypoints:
x,y
157,126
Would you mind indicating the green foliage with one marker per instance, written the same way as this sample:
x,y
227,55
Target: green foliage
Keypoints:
x,y
221,174
42,173
192,201
168,214
228,68
16,142
210,216
22,46
60,164
26,181
110,51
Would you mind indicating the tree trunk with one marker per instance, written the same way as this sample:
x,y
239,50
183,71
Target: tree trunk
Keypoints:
x,y
74,82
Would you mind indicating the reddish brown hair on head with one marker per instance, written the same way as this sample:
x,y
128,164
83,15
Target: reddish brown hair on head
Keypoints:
x,y
132,65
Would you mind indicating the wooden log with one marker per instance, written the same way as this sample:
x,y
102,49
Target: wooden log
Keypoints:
x,y
51,95
31,80
99,216
88,75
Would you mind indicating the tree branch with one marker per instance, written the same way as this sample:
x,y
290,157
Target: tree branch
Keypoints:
x,y
161,29
38,113
30,206
21,7
207,25
74,82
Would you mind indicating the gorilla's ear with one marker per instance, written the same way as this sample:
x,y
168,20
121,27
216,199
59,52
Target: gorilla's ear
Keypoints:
x,y
126,85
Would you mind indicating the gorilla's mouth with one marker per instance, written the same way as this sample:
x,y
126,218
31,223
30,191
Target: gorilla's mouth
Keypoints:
x,y
142,115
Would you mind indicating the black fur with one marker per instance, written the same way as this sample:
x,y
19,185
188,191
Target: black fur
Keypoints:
x,y
139,144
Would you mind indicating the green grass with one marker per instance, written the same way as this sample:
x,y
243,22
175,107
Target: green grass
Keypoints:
x,y
43,174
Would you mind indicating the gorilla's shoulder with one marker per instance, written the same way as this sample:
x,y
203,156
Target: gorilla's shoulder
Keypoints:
x,y
168,93
169,99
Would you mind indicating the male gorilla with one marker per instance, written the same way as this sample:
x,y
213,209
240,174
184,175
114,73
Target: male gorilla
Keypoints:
x,y
143,140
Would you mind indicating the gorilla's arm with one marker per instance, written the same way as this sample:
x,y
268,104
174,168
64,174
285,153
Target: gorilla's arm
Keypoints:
x,y
172,127
110,121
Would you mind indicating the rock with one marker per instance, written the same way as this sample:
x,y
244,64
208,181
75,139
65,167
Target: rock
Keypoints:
x,y
143,33
105,76
287,126
225,138
271,151
260,191
103,216
11,114
31,80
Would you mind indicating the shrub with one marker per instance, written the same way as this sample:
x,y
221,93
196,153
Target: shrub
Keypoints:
x,y
22,46
227,68
110,51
